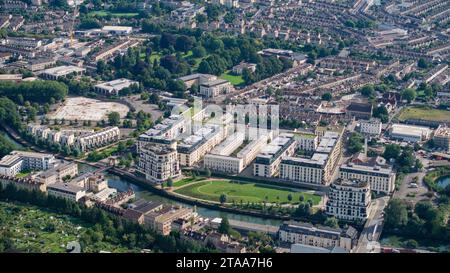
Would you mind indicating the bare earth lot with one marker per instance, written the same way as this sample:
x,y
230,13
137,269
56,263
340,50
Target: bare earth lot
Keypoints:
x,y
80,108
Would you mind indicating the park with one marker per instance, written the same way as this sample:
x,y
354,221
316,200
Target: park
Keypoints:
x,y
211,190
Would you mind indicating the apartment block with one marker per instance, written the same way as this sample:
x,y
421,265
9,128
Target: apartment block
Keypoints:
x,y
374,171
66,191
215,88
267,163
349,200
17,161
371,127
441,138
318,236
158,162
317,169
98,139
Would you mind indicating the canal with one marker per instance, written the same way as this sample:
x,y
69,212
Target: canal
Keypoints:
x,y
122,185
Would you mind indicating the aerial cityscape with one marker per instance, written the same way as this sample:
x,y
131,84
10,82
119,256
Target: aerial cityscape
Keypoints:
x,y
224,126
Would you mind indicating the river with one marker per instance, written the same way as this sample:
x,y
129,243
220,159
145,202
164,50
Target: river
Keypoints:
x,y
122,185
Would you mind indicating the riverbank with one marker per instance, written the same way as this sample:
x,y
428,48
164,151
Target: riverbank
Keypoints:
x,y
193,202
161,192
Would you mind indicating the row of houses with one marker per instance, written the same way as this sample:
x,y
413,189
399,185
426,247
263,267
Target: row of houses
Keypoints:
x,y
84,140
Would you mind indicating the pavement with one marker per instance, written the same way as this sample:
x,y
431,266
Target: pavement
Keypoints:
x,y
368,240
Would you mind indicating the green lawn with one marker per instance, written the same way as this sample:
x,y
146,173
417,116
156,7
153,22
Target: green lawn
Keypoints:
x,y
32,229
185,181
234,79
23,174
247,192
424,113
102,13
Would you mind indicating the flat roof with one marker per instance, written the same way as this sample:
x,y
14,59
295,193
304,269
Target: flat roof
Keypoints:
x,y
63,70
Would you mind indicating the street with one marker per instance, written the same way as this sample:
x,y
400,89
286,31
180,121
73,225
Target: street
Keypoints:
x,y
368,240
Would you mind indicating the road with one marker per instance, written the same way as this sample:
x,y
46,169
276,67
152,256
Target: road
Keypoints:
x,y
368,240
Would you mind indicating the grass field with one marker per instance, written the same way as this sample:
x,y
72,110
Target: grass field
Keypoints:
x,y
424,113
247,192
185,181
102,13
234,79
23,174
36,230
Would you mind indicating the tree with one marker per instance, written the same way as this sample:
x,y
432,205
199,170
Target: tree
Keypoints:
x,y
392,151
355,143
184,43
409,94
327,96
331,222
114,118
223,198
396,214
382,113
170,183
224,226
368,91
199,52
422,63
208,172
289,197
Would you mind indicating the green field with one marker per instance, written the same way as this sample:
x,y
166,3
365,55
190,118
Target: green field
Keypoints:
x,y
185,181
102,13
32,229
234,79
424,113
247,192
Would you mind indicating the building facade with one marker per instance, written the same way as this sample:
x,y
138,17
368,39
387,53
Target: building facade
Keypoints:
x,y
349,200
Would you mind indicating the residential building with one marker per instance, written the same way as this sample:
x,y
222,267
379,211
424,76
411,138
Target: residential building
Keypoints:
x,y
192,148
17,161
374,171
267,163
161,220
349,200
214,88
441,138
320,167
318,236
66,191
98,139
158,162
197,78
370,127
239,68
307,142
63,171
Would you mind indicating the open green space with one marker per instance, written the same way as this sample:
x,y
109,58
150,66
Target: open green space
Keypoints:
x,y
32,229
424,113
185,181
23,174
245,192
234,79
102,13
